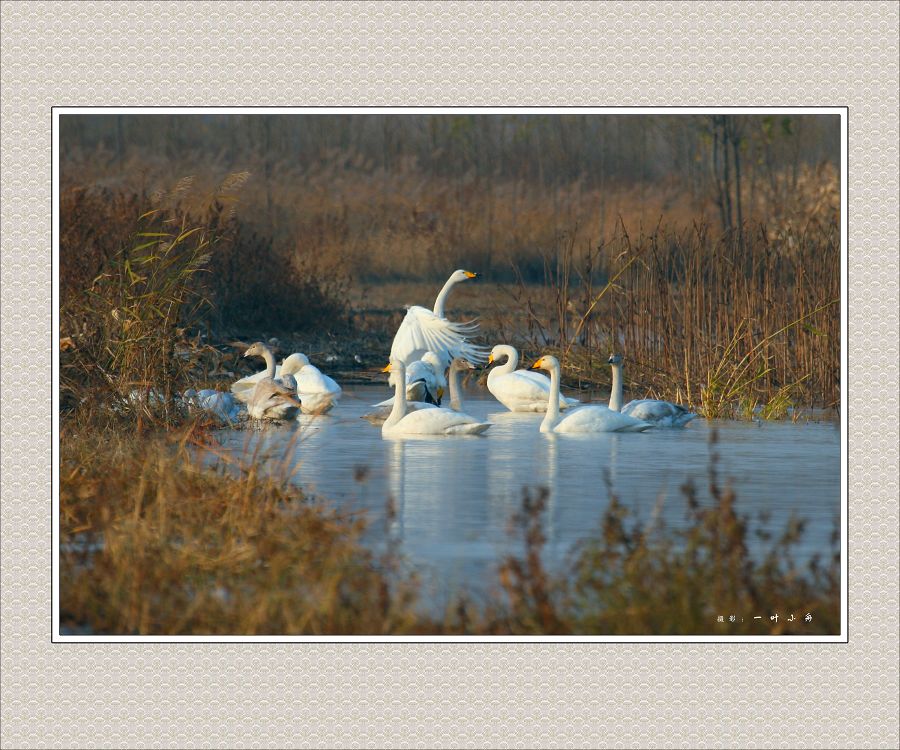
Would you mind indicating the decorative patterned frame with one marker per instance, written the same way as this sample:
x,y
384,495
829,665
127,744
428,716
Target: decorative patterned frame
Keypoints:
x,y
405,694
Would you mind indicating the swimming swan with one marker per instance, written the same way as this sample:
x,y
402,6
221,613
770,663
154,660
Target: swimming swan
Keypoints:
x,y
658,413
424,330
519,390
271,398
591,418
435,421
380,412
318,393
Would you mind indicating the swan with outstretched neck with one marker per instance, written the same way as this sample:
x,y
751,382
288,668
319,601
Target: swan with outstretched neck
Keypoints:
x,y
656,412
519,390
424,330
590,418
433,421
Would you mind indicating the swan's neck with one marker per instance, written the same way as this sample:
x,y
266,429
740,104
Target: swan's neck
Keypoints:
x,y
399,409
270,363
442,297
507,367
512,361
455,389
615,398
552,414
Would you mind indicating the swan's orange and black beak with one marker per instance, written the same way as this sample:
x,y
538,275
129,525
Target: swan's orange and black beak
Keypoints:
x,y
537,365
386,369
470,275
491,359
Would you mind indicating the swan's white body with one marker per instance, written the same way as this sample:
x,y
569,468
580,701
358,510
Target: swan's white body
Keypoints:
x,y
318,393
520,390
658,413
434,421
271,398
591,418
424,330
219,404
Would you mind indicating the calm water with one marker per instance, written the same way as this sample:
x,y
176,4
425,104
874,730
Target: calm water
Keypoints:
x,y
455,495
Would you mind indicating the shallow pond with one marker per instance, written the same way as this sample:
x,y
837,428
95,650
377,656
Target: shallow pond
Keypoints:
x,y
454,496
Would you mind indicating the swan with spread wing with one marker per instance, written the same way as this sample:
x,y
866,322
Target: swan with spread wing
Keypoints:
x,y
424,330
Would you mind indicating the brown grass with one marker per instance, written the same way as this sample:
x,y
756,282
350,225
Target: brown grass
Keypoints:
x,y
151,542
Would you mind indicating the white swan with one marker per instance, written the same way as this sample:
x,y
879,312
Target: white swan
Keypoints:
x,y
271,399
380,412
219,404
318,393
591,418
435,421
424,330
658,413
519,390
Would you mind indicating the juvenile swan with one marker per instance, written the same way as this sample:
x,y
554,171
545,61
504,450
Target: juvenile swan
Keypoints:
x,y
271,399
591,418
657,413
436,421
519,390
458,366
424,330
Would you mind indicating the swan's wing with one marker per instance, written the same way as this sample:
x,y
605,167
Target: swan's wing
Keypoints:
x,y
422,331
272,398
658,412
243,388
312,380
523,386
421,371
596,418
223,405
